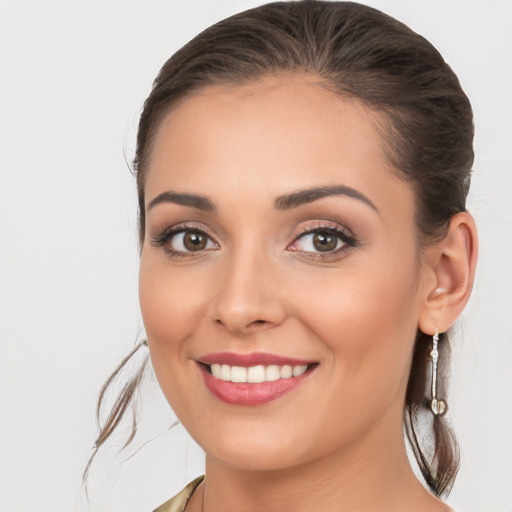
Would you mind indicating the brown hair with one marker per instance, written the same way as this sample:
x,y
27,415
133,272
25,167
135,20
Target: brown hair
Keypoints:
x,y
360,52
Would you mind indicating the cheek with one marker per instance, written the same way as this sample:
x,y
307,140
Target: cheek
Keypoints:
x,y
172,307
367,316
169,303
367,322
171,310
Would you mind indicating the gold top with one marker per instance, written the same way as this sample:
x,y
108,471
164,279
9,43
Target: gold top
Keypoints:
x,y
179,502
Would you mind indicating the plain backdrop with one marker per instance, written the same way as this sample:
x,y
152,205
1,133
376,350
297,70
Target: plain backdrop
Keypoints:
x,y
73,76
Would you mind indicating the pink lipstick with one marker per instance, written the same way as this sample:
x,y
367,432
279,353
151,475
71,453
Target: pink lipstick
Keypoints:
x,y
252,379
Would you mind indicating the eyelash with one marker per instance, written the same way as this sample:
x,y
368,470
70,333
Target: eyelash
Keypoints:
x,y
348,239
165,236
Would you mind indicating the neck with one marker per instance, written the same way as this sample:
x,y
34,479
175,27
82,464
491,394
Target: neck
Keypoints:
x,y
370,476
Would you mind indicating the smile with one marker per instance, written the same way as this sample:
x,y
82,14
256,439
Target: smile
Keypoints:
x,y
256,374
252,379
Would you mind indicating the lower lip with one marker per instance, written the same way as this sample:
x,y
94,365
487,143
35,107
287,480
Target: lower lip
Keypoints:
x,y
243,393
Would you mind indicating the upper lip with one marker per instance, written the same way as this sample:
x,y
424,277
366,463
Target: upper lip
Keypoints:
x,y
253,359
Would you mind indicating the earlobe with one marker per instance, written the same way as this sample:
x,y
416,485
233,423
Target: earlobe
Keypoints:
x,y
451,267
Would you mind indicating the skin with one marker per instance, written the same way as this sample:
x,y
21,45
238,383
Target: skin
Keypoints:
x,y
335,442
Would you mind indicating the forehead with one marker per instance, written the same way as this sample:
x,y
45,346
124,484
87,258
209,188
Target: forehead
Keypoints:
x,y
273,135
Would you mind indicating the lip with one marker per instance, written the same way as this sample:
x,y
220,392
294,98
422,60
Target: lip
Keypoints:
x,y
249,394
252,359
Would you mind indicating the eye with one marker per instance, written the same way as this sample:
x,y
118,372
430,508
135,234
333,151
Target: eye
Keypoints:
x,y
191,241
322,240
182,240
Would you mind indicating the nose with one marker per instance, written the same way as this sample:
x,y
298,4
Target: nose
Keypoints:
x,y
247,295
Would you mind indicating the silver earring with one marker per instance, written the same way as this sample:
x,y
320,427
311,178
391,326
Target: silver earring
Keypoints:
x,y
438,406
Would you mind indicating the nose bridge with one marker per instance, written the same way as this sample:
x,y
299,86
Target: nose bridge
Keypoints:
x,y
247,293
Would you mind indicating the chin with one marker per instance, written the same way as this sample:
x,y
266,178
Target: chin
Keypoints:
x,y
248,445
258,456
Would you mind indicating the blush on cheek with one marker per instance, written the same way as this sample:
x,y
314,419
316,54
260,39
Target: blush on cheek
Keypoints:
x,y
163,299
364,316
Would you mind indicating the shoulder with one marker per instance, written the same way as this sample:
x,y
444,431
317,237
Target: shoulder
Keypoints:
x,y
179,502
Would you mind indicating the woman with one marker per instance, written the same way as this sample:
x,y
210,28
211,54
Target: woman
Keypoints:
x,y
302,171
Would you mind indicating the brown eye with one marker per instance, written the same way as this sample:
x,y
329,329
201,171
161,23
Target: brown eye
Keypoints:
x,y
186,241
194,240
323,242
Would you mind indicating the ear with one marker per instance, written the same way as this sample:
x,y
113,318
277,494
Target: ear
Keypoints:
x,y
448,275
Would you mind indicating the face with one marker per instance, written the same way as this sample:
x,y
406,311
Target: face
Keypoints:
x,y
280,280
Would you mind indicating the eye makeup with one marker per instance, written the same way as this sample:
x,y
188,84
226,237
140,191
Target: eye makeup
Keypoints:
x,y
320,240
194,241
323,241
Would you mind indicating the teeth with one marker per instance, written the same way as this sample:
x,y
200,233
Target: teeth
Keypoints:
x,y
238,374
286,372
225,372
256,374
216,370
299,370
272,373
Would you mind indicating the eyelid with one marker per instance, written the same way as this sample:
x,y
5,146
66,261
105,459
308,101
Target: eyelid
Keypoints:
x,y
163,236
319,225
348,238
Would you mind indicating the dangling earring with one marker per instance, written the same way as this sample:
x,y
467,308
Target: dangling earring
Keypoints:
x,y
438,406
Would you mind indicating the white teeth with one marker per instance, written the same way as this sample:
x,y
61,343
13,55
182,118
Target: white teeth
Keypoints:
x,y
225,373
286,372
216,370
299,370
256,374
238,374
272,373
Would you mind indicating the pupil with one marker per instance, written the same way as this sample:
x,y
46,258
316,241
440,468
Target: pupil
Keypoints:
x,y
194,241
324,242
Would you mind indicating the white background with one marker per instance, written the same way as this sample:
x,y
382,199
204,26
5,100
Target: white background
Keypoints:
x,y
73,76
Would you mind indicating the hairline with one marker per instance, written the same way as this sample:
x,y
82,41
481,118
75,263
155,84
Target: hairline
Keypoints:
x,y
380,116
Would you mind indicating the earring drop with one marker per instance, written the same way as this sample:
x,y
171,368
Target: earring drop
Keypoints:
x,y
438,406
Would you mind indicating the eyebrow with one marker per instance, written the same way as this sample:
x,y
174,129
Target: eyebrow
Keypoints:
x,y
192,200
296,199
284,202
